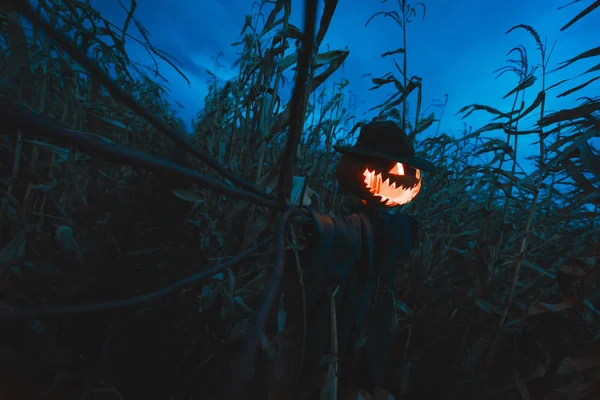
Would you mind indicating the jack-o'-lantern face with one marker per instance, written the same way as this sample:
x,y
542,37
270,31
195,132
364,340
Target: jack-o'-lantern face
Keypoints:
x,y
395,188
373,180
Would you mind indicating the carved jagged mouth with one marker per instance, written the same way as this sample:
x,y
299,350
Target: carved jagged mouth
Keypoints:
x,y
389,192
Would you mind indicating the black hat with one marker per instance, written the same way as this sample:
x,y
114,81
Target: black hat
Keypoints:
x,y
385,139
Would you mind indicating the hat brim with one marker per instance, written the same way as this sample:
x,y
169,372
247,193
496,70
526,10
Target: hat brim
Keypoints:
x,y
415,162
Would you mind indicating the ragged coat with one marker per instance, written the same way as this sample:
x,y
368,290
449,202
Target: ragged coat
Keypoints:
x,y
359,254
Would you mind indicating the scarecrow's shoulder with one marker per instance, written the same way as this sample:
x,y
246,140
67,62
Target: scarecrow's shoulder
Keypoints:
x,y
333,231
336,245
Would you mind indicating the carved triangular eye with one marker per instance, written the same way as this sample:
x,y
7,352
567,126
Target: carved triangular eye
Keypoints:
x,y
397,169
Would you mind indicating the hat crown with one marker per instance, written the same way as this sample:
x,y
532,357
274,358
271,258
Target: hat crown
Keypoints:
x,y
386,140
385,136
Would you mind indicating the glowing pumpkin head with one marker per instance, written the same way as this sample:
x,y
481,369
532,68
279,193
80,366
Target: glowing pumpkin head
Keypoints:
x,y
381,167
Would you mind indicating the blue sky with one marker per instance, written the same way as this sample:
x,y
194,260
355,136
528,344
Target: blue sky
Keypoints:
x,y
454,49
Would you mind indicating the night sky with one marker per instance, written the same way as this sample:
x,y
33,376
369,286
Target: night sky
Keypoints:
x,y
455,48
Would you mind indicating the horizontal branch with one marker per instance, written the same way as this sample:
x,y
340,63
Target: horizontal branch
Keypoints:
x,y
20,117
137,300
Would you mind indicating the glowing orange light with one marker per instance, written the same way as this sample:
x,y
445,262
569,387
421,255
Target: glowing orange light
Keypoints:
x,y
390,193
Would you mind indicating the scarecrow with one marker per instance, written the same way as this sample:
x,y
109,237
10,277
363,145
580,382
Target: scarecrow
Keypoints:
x,y
350,264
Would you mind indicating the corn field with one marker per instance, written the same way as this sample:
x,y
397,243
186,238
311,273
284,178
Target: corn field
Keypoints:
x,y
138,261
